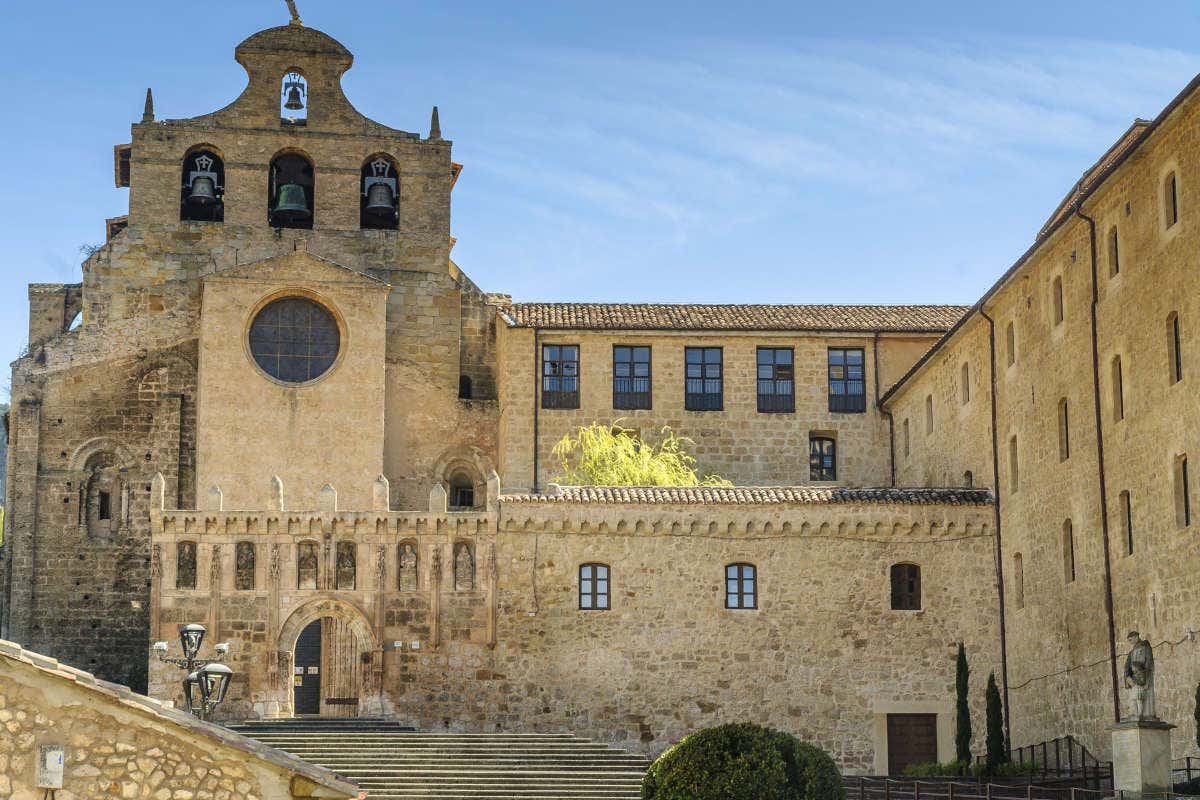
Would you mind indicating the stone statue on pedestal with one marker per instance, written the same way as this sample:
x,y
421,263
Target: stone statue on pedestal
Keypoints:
x,y
1139,678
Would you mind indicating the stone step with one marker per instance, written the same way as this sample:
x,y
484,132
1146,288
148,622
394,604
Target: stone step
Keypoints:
x,y
393,762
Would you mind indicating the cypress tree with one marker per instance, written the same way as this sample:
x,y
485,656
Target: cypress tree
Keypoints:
x,y
1196,712
962,737
996,753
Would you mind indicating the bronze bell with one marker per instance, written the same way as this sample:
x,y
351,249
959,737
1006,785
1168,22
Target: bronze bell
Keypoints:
x,y
292,203
379,200
294,103
204,192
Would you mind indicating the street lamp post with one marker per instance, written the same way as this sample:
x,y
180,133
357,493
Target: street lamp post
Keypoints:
x,y
207,679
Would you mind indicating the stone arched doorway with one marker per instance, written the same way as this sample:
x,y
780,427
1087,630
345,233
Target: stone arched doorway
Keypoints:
x,y
329,662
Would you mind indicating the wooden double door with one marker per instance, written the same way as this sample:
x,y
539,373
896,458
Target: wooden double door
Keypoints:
x,y
327,677
911,739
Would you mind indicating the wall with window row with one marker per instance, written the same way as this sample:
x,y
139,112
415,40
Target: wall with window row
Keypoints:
x,y
738,442
494,609
1047,391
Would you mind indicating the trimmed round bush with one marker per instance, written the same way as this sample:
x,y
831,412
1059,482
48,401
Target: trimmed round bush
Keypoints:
x,y
743,761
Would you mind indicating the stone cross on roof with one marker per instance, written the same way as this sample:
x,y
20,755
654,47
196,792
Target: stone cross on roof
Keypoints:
x,y
291,4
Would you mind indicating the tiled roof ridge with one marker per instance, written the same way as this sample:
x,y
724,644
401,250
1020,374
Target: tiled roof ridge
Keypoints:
x,y
148,705
754,495
732,316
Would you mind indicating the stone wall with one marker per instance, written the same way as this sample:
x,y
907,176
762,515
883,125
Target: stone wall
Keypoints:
x,y
738,442
1060,679
823,655
117,744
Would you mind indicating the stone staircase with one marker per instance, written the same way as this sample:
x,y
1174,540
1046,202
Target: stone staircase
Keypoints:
x,y
390,761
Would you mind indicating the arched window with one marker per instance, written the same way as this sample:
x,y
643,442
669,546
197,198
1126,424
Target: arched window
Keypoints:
x,y
966,383
1068,544
406,567
1174,356
928,414
1170,200
1114,253
1064,431
822,458
906,587
1056,299
306,565
1018,581
593,587
462,491
202,195
1118,389
347,566
290,192
245,558
293,99
101,495
741,586
968,479
379,205
185,565
1010,341
464,566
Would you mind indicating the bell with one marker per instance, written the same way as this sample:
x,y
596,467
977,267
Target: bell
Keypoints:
x,y
379,200
203,192
292,203
294,103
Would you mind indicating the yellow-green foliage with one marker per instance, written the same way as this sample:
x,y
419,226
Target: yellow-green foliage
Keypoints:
x,y
610,455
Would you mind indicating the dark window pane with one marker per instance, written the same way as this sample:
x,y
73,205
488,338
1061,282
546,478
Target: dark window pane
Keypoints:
x,y
560,376
704,385
847,385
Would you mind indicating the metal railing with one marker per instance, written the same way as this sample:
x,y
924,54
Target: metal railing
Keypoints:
x,y
884,788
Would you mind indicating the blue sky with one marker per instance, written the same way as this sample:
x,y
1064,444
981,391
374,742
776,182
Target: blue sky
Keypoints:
x,y
672,151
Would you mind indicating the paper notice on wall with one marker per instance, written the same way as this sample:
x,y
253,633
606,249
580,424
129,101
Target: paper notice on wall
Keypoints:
x,y
50,766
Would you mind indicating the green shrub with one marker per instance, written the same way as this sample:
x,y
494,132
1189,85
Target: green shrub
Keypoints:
x,y
1006,769
932,769
743,762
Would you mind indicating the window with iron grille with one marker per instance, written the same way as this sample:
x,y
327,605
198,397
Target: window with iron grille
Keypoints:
x,y
593,587
631,377
704,386
822,458
847,386
776,380
906,587
560,376
741,586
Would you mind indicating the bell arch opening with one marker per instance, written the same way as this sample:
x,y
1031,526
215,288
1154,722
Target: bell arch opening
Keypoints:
x,y
202,193
291,191
293,98
379,202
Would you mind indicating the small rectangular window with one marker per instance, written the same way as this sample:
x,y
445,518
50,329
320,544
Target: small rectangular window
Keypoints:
x,y
593,587
1064,431
1183,500
104,511
966,384
907,441
906,587
822,458
1114,253
631,377
1174,355
847,384
1127,521
704,383
1018,580
122,156
1057,299
560,376
1118,389
776,380
741,586
928,414
1013,473
1010,340
1171,200
1068,552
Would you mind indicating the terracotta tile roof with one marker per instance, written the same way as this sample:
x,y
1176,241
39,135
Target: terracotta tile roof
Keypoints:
x,y
696,316
753,495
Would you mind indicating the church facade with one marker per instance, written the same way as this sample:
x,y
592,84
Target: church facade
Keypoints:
x,y
287,413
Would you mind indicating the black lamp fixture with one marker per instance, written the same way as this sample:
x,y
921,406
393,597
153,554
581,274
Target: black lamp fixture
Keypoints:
x,y
207,680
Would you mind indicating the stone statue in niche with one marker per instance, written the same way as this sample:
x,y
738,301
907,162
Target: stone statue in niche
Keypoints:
x,y
306,566
408,567
185,565
1139,678
244,576
346,567
464,566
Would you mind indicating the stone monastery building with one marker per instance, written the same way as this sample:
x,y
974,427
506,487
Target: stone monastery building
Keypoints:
x,y
289,415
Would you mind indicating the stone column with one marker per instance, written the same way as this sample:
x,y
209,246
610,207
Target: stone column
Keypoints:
x,y
1141,757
